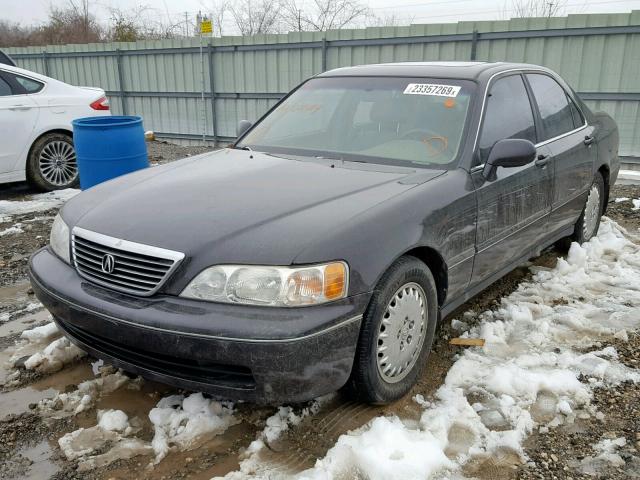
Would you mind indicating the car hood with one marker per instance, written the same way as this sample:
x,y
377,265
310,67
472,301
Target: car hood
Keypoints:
x,y
236,206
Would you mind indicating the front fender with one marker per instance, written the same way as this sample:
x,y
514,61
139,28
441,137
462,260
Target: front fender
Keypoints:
x,y
439,214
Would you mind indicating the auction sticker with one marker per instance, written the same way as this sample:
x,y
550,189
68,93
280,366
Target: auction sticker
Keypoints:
x,y
432,89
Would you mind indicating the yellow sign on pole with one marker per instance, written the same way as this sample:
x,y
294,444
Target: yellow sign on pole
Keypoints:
x,y
206,26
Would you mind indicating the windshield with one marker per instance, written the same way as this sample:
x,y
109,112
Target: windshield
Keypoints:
x,y
377,120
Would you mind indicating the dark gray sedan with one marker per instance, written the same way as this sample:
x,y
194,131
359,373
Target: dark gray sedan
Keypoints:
x,y
321,249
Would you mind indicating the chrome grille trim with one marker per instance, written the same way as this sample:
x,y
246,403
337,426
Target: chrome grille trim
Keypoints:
x,y
140,269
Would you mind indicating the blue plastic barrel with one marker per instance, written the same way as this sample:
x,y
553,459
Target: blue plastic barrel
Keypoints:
x,y
107,147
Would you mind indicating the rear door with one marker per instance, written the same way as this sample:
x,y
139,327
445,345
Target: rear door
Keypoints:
x,y
571,144
513,209
18,116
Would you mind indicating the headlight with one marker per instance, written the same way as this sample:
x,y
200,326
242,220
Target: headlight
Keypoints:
x,y
273,286
59,238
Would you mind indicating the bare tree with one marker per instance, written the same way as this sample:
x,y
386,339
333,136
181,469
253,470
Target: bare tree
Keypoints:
x,y
538,8
14,34
389,20
252,17
322,15
218,11
136,24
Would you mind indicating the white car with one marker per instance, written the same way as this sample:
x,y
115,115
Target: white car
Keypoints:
x,y
35,127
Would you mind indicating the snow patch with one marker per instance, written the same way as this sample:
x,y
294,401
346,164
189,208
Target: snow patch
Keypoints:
x,y
606,456
113,420
37,203
38,334
385,450
12,230
85,396
15,313
55,356
112,431
184,422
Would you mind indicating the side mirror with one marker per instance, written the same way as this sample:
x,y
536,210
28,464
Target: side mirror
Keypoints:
x,y
508,153
243,126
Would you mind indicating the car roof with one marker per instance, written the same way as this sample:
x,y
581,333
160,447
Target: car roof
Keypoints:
x,y
458,70
26,73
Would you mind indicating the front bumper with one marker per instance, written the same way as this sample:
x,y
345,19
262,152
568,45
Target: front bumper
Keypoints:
x,y
235,352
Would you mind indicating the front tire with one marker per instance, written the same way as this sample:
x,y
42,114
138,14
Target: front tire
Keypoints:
x,y
589,222
396,335
52,163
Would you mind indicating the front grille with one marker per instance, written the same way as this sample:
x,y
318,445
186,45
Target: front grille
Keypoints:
x,y
131,267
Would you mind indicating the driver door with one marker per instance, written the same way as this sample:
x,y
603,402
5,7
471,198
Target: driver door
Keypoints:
x,y
513,209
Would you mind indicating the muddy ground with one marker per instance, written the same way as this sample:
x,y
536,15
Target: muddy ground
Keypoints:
x,y
28,439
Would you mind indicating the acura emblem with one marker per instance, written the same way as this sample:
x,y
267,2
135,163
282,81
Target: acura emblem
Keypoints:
x,y
108,263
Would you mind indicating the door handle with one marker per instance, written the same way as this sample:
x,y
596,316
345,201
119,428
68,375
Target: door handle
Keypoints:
x,y
19,107
542,160
588,140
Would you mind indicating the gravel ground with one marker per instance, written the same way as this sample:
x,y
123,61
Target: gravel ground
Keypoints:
x,y
623,212
565,452
163,152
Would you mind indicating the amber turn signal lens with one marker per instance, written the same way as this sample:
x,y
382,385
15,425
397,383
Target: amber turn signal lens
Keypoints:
x,y
335,280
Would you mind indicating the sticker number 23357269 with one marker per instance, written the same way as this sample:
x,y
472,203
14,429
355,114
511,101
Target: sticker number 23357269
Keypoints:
x,y
432,89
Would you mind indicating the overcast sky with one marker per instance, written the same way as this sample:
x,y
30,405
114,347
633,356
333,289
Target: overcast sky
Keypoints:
x,y
420,11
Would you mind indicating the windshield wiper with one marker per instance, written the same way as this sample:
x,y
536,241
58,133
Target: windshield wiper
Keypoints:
x,y
244,147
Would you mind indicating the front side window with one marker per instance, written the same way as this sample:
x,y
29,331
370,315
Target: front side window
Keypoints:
x,y
553,104
374,120
508,114
31,86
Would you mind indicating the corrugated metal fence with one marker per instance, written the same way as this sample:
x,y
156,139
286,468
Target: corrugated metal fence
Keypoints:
x,y
242,77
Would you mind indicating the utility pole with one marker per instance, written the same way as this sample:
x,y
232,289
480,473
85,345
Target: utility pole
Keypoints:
x,y
203,115
186,24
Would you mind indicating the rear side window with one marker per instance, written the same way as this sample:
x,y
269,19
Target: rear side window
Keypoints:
x,y
578,119
508,114
553,104
5,89
31,86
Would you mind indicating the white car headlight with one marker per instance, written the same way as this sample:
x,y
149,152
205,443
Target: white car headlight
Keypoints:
x,y
59,239
272,286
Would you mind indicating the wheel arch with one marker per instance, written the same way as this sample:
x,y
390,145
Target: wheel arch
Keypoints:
x,y
62,131
606,174
59,130
436,263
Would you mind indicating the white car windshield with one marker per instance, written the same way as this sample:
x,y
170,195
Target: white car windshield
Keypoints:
x,y
369,119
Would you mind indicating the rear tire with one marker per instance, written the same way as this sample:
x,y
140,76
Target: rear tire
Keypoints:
x,y
589,222
52,163
396,334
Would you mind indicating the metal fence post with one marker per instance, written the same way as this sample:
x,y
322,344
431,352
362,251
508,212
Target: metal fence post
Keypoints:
x,y
45,62
213,96
474,44
123,97
324,54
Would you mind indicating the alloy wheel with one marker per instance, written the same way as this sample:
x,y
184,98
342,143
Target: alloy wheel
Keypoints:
x,y
57,163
